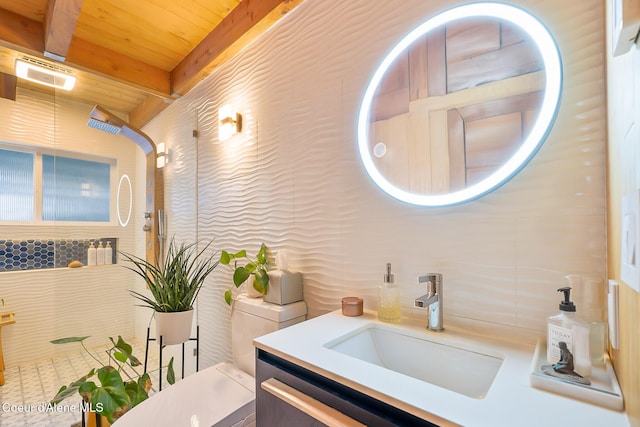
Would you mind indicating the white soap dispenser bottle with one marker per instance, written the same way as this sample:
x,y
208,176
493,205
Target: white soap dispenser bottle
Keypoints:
x,y
91,255
567,327
108,253
100,254
389,299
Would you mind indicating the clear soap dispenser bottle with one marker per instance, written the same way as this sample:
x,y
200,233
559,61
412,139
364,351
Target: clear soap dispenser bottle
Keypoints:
x,y
591,300
389,299
566,326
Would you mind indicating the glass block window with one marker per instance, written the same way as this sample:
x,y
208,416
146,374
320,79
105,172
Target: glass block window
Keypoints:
x,y
75,189
16,182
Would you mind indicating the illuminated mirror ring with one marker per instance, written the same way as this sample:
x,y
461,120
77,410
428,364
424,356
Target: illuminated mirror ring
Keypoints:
x,y
551,100
124,178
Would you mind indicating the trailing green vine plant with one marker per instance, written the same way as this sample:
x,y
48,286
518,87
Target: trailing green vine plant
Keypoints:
x,y
258,268
112,396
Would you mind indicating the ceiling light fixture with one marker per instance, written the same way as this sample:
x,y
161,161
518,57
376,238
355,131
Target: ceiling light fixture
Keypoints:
x,y
44,74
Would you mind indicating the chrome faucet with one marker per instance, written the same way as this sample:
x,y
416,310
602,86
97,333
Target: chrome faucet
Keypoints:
x,y
432,301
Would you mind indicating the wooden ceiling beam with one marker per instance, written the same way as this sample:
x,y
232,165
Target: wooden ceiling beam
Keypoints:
x,y
244,24
147,110
8,84
20,33
104,62
59,25
27,36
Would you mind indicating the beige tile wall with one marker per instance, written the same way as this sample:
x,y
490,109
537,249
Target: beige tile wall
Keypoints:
x,y
293,178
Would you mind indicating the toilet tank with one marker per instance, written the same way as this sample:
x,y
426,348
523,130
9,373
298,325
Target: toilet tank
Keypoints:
x,y
252,318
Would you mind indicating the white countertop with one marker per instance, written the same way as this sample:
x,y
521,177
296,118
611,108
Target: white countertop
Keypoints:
x,y
511,400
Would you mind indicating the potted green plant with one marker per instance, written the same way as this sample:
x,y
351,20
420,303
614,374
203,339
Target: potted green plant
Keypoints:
x,y
174,283
112,396
257,267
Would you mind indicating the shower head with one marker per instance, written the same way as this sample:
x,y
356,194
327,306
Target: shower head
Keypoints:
x,y
104,120
104,126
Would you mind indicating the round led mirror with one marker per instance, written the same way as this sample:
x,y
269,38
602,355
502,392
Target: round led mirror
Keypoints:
x,y
460,104
124,200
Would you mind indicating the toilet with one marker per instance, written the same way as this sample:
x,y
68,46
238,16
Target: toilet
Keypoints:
x,y
222,395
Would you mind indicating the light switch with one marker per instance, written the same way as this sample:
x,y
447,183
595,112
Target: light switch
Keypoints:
x,y
630,239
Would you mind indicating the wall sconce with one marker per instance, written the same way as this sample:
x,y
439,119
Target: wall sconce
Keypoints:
x,y
230,122
44,74
162,155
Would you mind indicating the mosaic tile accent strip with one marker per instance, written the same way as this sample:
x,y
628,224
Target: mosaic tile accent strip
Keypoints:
x,y
36,254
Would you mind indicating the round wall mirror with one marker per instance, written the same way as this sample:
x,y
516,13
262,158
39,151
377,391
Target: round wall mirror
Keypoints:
x,y
460,104
124,200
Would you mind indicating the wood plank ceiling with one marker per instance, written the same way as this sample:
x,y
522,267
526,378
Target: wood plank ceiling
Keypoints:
x,y
131,56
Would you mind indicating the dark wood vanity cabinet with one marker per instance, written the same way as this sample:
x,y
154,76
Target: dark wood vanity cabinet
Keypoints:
x,y
290,395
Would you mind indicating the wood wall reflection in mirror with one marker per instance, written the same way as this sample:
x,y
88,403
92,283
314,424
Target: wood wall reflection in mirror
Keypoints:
x,y
456,105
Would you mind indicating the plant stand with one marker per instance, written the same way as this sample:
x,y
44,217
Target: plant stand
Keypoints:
x,y
161,347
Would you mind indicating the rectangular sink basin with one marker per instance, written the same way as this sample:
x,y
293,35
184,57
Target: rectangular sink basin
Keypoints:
x,y
465,371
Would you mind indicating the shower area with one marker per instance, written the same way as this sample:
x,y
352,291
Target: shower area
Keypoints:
x,y
66,185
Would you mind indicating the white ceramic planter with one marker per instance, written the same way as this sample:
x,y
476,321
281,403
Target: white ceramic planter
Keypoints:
x,y
175,328
250,290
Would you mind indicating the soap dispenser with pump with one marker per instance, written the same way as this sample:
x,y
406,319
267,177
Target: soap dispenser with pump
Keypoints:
x,y
100,254
108,253
569,328
91,255
389,309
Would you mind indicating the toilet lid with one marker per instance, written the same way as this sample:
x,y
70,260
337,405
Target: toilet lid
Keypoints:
x,y
221,392
274,312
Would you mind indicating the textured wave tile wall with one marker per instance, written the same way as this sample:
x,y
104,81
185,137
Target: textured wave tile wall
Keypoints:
x,y
293,179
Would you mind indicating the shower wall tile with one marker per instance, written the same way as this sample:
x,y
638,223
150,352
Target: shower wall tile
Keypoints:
x,y
34,254
26,255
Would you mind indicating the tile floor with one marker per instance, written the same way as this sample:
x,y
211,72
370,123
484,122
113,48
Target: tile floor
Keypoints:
x,y
29,387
